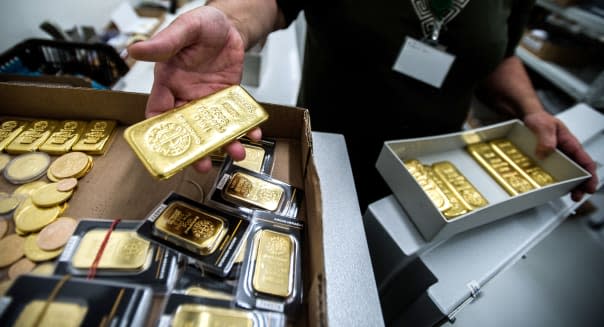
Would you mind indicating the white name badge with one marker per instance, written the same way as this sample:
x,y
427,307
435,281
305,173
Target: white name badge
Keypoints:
x,y
423,62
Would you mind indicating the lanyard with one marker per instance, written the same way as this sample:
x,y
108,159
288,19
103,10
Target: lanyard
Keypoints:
x,y
434,14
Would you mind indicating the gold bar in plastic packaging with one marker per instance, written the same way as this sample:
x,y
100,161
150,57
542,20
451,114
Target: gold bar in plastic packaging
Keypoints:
x,y
254,191
509,178
96,138
124,250
62,140
36,133
208,293
459,184
56,314
9,130
169,142
202,315
434,192
273,263
254,158
517,158
197,230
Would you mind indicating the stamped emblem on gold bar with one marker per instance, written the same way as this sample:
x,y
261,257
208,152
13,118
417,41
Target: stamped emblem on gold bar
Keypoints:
x,y
62,140
53,314
517,158
457,207
199,231
504,174
273,263
254,191
36,133
124,250
96,137
9,130
202,315
169,142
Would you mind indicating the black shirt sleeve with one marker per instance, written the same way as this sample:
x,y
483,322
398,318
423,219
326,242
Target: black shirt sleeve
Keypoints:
x,y
517,21
290,9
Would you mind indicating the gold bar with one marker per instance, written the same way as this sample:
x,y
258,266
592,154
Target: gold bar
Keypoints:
x,y
207,293
273,263
535,174
9,129
459,184
435,193
253,190
124,250
504,174
169,142
62,140
193,315
36,133
457,208
57,314
197,230
254,157
96,137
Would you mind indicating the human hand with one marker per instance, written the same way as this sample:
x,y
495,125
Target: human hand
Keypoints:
x,y
200,53
552,133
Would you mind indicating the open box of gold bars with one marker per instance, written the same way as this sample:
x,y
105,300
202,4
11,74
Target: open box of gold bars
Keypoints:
x,y
119,186
429,219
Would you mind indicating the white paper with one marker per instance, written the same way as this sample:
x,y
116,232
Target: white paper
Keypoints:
x,y
423,62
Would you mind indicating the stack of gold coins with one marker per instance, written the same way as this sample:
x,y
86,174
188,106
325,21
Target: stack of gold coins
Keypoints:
x,y
70,165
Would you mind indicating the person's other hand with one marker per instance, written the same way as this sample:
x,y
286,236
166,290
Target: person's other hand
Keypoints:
x,y
200,53
551,134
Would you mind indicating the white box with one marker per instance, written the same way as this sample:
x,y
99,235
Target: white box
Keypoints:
x,y
451,147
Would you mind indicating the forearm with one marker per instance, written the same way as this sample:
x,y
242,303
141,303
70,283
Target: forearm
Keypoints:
x,y
254,19
509,89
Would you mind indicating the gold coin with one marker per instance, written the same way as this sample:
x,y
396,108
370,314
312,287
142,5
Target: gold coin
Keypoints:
x,y
43,269
70,165
67,184
34,253
87,170
3,228
4,159
8,204
33,218
20,232
28,188
11,249
56,234
48,196
24,204
51,177
20,267
26,167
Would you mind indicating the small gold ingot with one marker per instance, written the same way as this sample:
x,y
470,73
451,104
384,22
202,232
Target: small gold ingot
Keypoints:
x,y
96,138
510,179
124,250
459,184
254,158
419,172
207,293
9,130
254,191
202,315
457,208
63,314
62,140
273,263
197,230
535,174
169,142
36,133
26,167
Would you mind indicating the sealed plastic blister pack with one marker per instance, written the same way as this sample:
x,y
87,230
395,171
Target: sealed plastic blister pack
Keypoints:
x,y
271,276
259,156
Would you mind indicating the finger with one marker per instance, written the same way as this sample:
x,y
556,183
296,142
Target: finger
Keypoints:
x,y
236,150
576,195
255,134
160,99
546,140
204,165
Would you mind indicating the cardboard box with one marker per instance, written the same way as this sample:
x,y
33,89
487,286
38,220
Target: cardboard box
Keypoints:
x,y
451,147
118,186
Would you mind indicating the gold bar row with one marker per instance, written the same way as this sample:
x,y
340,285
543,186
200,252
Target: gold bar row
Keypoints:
x,y
449,190
514,171
55,137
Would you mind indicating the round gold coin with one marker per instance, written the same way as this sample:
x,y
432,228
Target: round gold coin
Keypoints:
x,y
67,184
70,165
56,234
26,167
48,196
28,188
20,267
44,269
33,218
8,204
20,232
51,177
4,159
3,228
34,253
11,249
24,204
